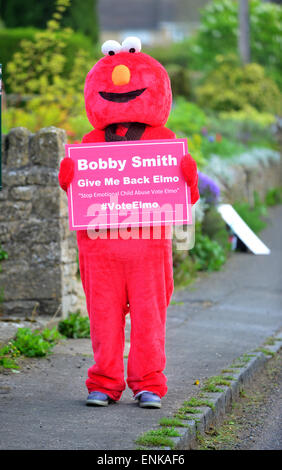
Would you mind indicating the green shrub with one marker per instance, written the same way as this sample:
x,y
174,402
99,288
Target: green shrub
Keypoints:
x,y
180,80
184,272
207,254
38,70
28,343
186,118
80,17
10,43
218,35
252,215
75,326
215,228
35,343
8,355
273,196
229,88
248,126
223,147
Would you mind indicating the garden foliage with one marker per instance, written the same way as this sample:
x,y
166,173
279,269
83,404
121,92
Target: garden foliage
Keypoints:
x,y
218,35
28,343
80,17
75,326
37,71
231,87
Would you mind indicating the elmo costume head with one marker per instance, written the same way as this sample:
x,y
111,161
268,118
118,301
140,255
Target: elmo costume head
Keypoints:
x,y
127,86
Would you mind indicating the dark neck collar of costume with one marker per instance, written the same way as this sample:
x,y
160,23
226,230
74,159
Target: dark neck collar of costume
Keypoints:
x,y
134,132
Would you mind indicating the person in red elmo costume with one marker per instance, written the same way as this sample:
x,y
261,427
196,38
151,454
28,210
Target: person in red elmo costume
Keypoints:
x,y
128,97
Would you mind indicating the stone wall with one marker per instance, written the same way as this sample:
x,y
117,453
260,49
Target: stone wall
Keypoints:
x,y
240,178
42,259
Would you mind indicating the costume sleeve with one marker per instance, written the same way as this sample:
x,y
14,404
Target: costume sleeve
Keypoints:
x,y
152,133
95,135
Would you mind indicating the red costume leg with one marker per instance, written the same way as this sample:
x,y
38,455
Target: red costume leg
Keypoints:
x,y
102,275
149,276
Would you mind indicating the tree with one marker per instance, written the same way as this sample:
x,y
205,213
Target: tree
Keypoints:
x,y
244,31
81,16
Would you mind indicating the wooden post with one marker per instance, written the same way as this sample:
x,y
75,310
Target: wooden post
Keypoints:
x,y
244,31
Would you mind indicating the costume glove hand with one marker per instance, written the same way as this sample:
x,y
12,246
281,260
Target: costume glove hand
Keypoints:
x,y
66,173
189,170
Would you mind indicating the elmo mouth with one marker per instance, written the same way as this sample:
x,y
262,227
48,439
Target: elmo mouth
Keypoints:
x,y
121,97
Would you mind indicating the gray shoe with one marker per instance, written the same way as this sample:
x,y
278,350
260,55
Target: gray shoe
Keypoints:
x,y
98,399
149,400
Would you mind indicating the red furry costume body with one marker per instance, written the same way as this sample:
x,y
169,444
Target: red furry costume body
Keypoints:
x,y
128,97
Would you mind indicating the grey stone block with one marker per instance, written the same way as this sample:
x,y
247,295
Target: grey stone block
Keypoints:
x,y
47,147
17,145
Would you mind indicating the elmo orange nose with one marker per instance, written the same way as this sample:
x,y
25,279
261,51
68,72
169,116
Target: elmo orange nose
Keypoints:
x,y
121,75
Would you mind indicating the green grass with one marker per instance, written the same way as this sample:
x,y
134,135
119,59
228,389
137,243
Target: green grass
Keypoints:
x,y
265,351
211,384
158,438
172,422
271,341
273,197
174,302
182,412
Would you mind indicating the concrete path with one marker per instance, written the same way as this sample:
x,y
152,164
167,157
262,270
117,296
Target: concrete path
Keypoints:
x,y
222,316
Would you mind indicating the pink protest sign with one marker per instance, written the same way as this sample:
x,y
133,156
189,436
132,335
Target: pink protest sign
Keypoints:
x,y
124,184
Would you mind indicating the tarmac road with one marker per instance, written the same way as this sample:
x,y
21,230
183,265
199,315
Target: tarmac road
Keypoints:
x,y
223,315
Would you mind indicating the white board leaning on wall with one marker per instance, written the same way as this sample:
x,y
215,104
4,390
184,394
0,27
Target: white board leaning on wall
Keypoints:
x,y
242,230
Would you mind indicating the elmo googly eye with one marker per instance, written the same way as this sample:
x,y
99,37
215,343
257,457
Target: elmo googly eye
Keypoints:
x,y
111,47
131,44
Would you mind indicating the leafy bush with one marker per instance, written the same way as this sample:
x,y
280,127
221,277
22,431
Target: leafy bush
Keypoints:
x,y
230,87
207,254
223,147
11,41
9,44
38,70
195,148
218,35
35,343
8,355
273,196
180,80
252,215
184,272
28,343
248,126
75,326
186,118
39,66
215,228
80,17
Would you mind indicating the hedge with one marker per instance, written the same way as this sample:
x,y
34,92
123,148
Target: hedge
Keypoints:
x,y
10,39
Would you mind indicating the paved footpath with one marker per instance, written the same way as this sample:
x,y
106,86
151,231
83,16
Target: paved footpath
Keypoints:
x,y
220,317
